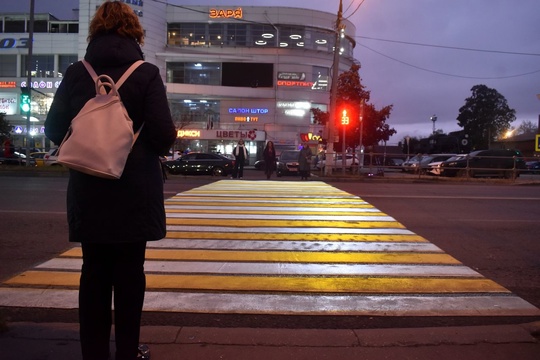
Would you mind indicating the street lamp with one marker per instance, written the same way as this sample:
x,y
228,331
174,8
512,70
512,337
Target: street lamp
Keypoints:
x,y
360,145
434,119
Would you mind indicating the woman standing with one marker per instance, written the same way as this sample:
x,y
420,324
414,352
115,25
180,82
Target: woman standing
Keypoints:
x,y
269,155
304,161
240,153
113,219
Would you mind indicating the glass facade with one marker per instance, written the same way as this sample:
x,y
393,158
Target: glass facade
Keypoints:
x,y
254,35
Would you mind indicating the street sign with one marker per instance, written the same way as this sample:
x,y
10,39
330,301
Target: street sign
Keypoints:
x,y
537,143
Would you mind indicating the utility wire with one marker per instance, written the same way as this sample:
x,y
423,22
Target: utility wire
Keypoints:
x,y
447,74
449,47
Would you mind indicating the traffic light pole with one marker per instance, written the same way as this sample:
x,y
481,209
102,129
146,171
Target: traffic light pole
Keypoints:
x,y
29,79
329,163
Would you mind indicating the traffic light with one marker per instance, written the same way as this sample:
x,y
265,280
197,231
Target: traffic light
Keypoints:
x,y
344,118
25,100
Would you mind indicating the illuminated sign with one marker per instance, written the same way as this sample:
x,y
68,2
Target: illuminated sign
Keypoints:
x,y
297,76
8,84
537,143
248,111
294,105
42,84
295,83
226,13
236,134
8,103
10,43
189,133
306,137
246,118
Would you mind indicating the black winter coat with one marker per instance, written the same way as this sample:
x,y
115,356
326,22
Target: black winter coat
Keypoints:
x,y
129,209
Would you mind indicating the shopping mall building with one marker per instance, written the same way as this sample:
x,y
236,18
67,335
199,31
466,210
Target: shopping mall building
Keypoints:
x,y
231,72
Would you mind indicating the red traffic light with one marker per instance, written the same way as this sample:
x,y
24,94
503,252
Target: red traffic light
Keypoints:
x,y
344,117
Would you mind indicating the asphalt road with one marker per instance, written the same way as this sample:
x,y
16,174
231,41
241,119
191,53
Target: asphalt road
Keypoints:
x,y
491,228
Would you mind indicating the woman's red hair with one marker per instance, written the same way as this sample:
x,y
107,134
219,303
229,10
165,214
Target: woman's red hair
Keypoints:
x,y
116,17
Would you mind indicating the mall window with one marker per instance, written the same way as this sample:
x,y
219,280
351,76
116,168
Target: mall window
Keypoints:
x,y
64,61
215,31
42,66
195,114
236,34
14,25
64,27
248,75
194,73
263,35
8,65
291,37
187,34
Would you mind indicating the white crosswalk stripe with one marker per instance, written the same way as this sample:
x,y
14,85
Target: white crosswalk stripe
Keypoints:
x,y
306,248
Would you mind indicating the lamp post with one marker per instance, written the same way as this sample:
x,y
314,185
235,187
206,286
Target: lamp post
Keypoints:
x,y
344,124
434,119
29,79
360,145
333,93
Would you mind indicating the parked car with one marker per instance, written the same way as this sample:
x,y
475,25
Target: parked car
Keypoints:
x,y
287,163
200,164
533,167
424,166
411,164
259,164
17,158
350,161
435,167
51,158
492,163
39,157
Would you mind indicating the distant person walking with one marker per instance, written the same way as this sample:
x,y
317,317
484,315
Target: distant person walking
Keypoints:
x,y
269,155
241,154
304,161
113,219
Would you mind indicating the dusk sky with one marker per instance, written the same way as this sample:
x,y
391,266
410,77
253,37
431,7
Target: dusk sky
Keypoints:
x,y
422,56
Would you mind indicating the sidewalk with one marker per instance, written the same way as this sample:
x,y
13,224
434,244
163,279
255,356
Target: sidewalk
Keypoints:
x,y
59,341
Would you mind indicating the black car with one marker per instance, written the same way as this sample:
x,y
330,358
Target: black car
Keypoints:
x,y
200,164
493,163
17,158
533,167
287,163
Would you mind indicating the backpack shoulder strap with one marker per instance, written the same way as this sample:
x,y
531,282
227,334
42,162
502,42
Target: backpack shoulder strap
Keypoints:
x,y
128,72
90,70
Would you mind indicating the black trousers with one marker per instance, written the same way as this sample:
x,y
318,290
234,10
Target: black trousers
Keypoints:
x,y
107,268
238,171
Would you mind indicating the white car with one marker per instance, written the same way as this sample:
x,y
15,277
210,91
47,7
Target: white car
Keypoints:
x,y
350,161
51,158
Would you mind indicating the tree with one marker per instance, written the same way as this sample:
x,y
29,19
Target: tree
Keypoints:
x,y
485,116
354,97
5,128
527,127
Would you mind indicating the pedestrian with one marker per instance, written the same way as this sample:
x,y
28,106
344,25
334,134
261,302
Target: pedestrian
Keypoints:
x,y
269,155
114,219
304,161
240,153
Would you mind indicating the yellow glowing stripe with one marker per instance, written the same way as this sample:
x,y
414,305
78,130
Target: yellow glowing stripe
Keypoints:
x,y
269,212
294,237
265,204
292,256
244,199
248,223
360,285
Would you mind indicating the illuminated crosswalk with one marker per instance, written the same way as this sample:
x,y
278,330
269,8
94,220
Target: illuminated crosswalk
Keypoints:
x,y
265,247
